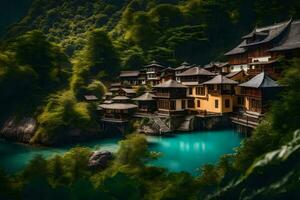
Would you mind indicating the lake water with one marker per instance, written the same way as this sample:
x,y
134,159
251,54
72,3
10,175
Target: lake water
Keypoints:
x,y
181,152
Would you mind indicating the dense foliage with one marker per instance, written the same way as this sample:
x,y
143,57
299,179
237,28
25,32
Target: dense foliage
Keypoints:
x,y
30,68
125,178
170,31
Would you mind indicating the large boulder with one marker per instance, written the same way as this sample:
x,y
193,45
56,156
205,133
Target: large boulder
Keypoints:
x,y
20,130
99,159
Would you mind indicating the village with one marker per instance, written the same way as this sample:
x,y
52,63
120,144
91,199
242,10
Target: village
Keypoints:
x,y
236,93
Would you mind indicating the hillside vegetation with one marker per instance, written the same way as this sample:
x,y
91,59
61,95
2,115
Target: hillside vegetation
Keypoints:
x,y
170,31
64,49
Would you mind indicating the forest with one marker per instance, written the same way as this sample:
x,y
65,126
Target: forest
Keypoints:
x,y
52,52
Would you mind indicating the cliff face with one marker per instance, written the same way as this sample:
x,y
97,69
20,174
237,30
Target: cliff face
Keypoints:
x,y
274,176
19,130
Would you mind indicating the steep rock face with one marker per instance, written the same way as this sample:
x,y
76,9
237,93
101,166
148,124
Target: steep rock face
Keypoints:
x,y
19,130
274,176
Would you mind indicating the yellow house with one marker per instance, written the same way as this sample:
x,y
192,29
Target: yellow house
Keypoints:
x,y
215,96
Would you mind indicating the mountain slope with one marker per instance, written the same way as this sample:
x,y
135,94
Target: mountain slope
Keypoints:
x,y
170,31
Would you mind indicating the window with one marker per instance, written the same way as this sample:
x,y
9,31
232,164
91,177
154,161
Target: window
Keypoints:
x,y
240,100
226,87
227,103
198,103
190,91
172,105
183,106
191,103
163,104
216,103
200,91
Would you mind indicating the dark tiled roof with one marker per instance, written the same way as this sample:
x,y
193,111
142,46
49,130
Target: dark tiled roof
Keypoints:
x,y
273,32
261,80
118,106
220,79
90,97
145,97
129,91
292,41
154,64
170,84
184,65
232,74
120,98
196,71
129,73
237,50
108,94
215,64
108,102
286,35
253,33
115,84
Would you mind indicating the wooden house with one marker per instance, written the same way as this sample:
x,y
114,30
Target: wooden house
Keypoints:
x,y
128,92
259,50
239,76
183,67
129,77
218,67
146,103
167,74
217,97
153,72
193,78
171,98
117,112
258,92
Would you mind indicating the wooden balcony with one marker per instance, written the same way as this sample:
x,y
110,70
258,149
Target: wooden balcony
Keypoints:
x,y
244,119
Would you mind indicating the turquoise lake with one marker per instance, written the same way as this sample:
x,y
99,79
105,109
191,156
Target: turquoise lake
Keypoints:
x,y
180,152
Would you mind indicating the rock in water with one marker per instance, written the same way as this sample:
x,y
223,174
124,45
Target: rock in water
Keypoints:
x,y
19,130
100,159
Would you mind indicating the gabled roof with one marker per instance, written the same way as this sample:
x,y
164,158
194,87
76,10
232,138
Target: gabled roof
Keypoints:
x,y
253,33
120,98
90,97
196,71
170,84
116,85
286,34
145,97
154,64
129,73
272,32
128,90
184,65
108,102
118,106
232,74
237,50
220,79
215,64
261,80
108,94
292,41
168,69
